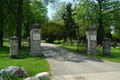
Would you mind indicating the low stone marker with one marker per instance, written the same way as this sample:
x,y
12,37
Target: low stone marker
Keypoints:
x,y
106,44
13,47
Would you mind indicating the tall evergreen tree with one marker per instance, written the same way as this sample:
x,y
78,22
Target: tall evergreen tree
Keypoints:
x,y
69,23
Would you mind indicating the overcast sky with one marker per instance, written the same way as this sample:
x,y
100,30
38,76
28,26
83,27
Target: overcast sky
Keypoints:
x,y
51,11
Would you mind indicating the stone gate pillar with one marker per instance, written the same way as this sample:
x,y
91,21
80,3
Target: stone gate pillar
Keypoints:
x,y
13,47
91,36
35,40
106,46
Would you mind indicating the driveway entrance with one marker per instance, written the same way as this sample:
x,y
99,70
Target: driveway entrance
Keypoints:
x,y
67,65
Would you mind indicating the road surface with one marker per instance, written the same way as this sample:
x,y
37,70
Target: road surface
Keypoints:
x,y
67,65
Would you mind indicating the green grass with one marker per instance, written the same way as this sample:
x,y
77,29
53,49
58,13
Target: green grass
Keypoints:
x,y
7,44
61,41
115,52
43,41
115,55
33,65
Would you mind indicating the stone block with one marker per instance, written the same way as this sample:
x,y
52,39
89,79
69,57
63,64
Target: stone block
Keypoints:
x,y
106,44
20,72
32,78
13,56
8,70
13,48
39,48
35,40
1,78
91,37
43,75
35,54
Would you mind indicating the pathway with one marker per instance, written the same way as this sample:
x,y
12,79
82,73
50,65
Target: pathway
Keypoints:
x,y
67,65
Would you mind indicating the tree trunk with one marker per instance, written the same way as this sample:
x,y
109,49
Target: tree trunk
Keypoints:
x,y
100,32
27,29
19,24
1,38
65,40
71,42
59,41
1,32
100,29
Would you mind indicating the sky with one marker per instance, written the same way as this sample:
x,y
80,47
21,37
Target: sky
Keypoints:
x,y
51,11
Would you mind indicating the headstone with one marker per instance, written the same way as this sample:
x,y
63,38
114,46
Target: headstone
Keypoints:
x,y
91,44
13,47
35,38
106,44
115,44
28,39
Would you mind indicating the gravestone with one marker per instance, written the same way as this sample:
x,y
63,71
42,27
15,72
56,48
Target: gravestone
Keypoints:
x,y
13,47
28,39
106,44
35,40
91,44
115,44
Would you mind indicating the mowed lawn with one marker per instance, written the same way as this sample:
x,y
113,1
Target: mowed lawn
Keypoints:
x,y
115,52
33,65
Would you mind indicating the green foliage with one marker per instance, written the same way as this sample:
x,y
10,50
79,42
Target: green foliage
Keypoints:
x,y
116,34
60,8
8,18
51,31
99,13
69,23
33,12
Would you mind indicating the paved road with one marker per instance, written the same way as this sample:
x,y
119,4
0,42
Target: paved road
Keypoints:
x,y
67,65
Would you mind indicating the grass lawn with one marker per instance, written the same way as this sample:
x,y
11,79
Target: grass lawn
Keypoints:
x,y
115,52
33,65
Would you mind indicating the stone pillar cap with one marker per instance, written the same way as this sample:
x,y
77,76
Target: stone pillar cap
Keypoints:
x,y
14,38
106,39
35,26
90,28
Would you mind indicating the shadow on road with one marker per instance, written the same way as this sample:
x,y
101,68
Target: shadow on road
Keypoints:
x,y
61,54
